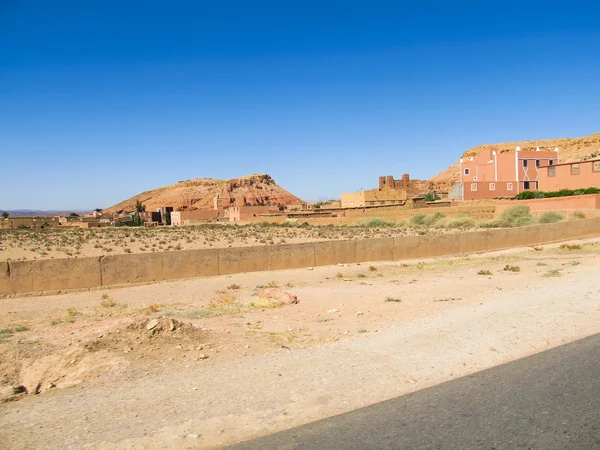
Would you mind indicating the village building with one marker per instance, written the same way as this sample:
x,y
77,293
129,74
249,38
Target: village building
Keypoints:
x,y
490,174
390,192
573,175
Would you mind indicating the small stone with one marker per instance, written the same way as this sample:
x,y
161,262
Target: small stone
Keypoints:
x,y
192,436
171,325
152,324
359,313
331,311
311,268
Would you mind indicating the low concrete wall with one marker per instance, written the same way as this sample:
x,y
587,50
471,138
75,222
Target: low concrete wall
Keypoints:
x,y
21,277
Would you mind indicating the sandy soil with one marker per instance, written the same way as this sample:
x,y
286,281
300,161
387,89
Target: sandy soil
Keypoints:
x,y
360,334
51,243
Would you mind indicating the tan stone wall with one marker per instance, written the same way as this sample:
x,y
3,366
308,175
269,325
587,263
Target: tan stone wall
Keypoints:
x,y
21,277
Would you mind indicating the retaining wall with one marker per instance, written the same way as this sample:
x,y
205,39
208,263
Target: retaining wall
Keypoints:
x,y
55,275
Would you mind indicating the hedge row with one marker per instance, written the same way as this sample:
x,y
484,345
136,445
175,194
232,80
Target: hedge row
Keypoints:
x,y
527,195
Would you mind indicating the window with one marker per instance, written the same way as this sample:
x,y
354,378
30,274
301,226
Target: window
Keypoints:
x,y
551,171
551,162
574,169
526,185
525,162
596,167
492,186
537,163
473,187
467,171
509,186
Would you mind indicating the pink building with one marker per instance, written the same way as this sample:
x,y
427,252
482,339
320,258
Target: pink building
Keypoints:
x,y
574,175
490,174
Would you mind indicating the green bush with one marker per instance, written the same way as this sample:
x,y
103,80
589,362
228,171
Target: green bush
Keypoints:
x,y
515,216
377,222
551,217
431,219
418,219
461,222
528,195
431,197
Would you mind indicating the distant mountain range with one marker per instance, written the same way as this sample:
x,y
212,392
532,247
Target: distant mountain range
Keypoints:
x,y
41,213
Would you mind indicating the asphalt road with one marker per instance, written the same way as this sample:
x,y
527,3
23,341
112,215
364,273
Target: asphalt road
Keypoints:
x,y
547,401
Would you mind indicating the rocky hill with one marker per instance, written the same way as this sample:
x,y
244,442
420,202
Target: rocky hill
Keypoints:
x,y
199,194
570,149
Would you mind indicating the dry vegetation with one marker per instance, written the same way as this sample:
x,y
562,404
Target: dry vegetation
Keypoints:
x,y
25,244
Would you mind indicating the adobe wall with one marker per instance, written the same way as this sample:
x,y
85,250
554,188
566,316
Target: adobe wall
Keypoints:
x,y
22,277
588,202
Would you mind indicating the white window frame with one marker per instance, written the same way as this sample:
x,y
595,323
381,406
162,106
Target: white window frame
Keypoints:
x,y
509,186
492,186
473,187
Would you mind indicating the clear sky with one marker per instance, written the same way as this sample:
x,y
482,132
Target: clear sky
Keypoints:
x,y
101,100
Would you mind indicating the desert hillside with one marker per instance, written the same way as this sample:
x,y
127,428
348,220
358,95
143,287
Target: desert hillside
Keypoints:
x,y
199,194
571,149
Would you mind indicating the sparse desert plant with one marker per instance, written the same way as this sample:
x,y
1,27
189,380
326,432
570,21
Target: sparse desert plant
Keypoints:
x,y
234,287
575,263
393,299
107,302
551,217
579,215
153,307
537,249
484,272
509,268
339,275
273,284
570,247
541,264
361,275
72,312
552,273
418,219
362,330
372,269
515,216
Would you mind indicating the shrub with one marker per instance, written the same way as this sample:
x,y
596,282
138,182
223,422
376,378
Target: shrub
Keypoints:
x,y
418,219
234,287
484,272
431,197
515,216
551,217
509,268
570,247
579,215
375,222
431,219
392,299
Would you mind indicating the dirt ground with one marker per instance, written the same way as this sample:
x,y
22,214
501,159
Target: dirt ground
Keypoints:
x,y
20,245
360,333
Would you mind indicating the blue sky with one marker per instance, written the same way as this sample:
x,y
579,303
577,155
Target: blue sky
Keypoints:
x,y
102,100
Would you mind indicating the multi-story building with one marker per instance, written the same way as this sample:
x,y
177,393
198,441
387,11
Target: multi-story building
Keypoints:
x,y
490,174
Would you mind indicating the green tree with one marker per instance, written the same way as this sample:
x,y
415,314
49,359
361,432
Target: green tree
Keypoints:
x,y
139,207
431,197
5,215
73,215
